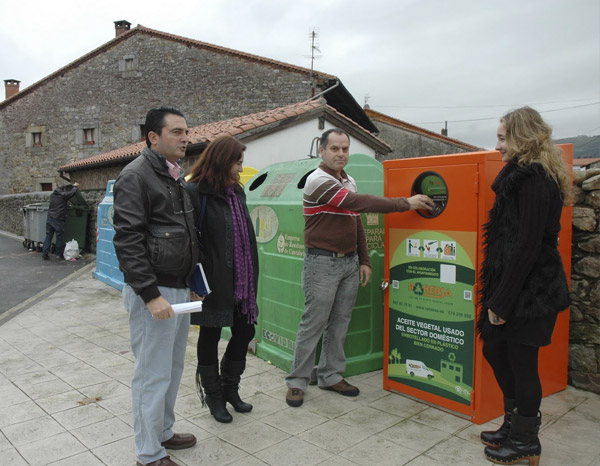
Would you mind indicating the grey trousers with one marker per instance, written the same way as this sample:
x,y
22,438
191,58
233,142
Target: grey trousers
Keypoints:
x,y
330,287
159,350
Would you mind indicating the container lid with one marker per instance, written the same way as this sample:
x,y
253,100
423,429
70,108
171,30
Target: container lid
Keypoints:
x,y
37,205
78,200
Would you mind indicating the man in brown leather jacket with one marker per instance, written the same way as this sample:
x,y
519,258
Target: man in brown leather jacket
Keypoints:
x,y
156,244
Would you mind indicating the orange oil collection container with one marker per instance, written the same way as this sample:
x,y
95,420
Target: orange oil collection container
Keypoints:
x,y
432,264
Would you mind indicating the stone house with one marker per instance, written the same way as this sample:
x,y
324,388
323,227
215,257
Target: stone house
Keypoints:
x,y
284,134
98,102
409,140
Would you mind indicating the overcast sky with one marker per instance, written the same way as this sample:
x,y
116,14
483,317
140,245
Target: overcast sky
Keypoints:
x,y
422,61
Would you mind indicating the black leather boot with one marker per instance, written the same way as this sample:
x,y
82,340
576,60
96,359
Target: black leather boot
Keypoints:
x,y
231,373
495,438
213,393
522,442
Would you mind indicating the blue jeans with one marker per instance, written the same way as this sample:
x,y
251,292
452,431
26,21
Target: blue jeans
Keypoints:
x,y
159,350
330,288
54,225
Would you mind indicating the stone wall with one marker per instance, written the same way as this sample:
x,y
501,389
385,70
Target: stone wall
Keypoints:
x,y
112,98
406,143
11,209
584,339
96,178
11,213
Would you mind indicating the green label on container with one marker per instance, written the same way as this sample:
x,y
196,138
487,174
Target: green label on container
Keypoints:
x,y
290,244
265,222
374,231
431,311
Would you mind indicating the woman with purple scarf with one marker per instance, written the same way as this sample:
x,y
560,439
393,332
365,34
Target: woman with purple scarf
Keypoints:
x,y
230,261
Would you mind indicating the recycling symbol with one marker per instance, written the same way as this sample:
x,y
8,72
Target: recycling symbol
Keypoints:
x,y
418,289
452,357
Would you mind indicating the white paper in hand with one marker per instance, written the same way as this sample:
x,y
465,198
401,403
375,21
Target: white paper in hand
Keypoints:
x,y
186,308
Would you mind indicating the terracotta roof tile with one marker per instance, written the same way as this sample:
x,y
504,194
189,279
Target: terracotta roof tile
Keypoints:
x,y
199,134
232,127
374,115
581,162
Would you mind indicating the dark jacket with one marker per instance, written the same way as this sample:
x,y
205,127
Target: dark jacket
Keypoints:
x,y
155,238
217,255
522,274
58,202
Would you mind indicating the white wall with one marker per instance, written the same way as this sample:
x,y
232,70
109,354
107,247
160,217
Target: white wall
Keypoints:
x,y
291,144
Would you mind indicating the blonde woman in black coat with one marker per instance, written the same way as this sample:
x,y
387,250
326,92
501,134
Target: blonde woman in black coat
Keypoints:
x,y
230,261
523,281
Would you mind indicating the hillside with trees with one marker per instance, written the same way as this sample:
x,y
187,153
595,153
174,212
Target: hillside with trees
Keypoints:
x,y
584,147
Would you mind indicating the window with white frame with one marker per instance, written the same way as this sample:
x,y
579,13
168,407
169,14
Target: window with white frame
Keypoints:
x,y
36,139
88,136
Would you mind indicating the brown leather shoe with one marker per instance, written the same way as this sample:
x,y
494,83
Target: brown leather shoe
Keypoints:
x,y
343,388
180,442
294,397
166,461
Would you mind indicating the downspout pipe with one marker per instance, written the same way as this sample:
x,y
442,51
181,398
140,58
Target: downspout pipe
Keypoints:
x,y
337,83
64,177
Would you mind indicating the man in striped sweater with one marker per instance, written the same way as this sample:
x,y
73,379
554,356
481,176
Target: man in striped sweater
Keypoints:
x,y
335,262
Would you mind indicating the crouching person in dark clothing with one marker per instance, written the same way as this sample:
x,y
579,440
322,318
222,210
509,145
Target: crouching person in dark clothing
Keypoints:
x,y
57,214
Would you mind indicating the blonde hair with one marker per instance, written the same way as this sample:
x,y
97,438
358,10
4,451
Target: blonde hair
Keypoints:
x,y
529,140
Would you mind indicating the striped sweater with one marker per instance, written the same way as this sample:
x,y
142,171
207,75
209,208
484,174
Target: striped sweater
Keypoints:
x,y
332,210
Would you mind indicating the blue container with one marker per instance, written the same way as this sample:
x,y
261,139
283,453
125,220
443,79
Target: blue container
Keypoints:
x,y
107,264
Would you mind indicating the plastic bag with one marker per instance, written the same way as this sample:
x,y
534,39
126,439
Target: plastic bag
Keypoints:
x,y
71,250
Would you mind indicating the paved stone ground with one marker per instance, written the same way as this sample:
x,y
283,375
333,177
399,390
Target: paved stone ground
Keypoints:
x,y
24,274
65,400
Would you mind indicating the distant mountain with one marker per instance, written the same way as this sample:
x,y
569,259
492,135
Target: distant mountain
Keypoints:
x,y
584,147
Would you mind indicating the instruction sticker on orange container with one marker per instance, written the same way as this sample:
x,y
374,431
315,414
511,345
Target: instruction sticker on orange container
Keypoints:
x,y
432,312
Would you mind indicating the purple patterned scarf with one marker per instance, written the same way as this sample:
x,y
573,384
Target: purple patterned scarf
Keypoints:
x,y
243,272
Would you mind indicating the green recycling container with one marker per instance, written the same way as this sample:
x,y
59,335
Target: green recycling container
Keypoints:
x,y
76,221
274,198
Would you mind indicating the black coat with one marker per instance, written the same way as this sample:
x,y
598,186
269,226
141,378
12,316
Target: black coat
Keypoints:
x,y
58,202
522,276
155,239
216,244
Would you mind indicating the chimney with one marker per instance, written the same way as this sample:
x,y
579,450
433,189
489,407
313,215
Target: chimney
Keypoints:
x,y
11,87
121,27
